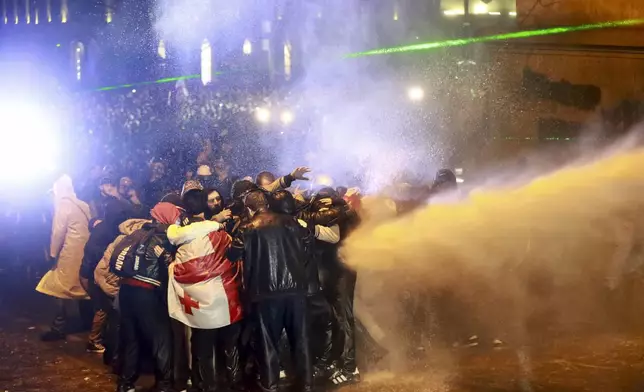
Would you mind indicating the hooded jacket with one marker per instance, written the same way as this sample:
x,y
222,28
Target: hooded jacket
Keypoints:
x,y
104,278
69,235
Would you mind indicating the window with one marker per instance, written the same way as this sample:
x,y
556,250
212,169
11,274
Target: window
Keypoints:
x,y
79,52
15,11
248,47
4,11
287,61
108,11
161,49
64,11
206,62
27,12
49,11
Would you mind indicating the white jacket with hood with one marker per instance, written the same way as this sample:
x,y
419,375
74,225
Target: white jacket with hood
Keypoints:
x,y
70,232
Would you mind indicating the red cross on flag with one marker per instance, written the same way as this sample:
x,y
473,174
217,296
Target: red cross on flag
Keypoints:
x,y
203,290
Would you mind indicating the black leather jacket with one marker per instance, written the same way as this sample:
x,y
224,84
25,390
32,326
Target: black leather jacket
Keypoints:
x,y
275,250
153,267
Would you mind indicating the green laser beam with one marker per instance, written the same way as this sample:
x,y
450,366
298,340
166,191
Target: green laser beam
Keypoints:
x,y
429,46
497,37
164,80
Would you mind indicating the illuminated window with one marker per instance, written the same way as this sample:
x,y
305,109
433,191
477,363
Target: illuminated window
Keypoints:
x,y
49,11
206,62
161,49
63,11
396,10
108,11
248,47
27,13
36,16
15,11
287,61
79,51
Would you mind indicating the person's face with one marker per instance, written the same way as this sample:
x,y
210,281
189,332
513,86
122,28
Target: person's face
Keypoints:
x,y
221,166
214,201
108,190
125,185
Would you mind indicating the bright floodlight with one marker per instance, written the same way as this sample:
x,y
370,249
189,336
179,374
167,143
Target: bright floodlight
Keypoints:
x,y
287,117
263,115
29,142
324,180
416,93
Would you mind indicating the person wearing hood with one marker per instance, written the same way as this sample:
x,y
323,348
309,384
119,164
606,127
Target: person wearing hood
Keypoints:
x,y
142,301
109,284
102,234
69,235
445,181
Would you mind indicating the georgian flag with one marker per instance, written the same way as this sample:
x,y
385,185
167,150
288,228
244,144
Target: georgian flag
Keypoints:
x,y
203,290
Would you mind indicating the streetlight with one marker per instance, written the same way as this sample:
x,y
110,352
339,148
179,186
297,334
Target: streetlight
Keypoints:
x,y
262,115
416,94
286,117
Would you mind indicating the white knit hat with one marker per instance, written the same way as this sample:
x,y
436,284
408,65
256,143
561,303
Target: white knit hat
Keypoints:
x,y
204,170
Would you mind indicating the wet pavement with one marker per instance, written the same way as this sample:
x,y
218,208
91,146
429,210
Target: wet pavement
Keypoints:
x,y
601,362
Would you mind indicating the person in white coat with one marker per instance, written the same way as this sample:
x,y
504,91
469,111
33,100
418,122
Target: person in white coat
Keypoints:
x,y
70,232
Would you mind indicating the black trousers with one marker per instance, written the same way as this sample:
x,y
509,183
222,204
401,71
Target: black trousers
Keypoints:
x,y
290,313
145,322
181,356
338,286
320,326
215,357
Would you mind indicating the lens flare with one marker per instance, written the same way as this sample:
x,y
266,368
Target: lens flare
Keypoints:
x,y
30,142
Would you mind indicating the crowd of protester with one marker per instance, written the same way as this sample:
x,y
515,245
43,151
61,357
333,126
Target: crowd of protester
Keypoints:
x,y
219,279
245,268
237,272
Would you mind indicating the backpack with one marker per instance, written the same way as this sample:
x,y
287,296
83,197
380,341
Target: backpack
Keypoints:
x,y
130,253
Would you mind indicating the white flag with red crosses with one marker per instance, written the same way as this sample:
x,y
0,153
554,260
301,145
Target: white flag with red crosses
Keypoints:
x,y
203,287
